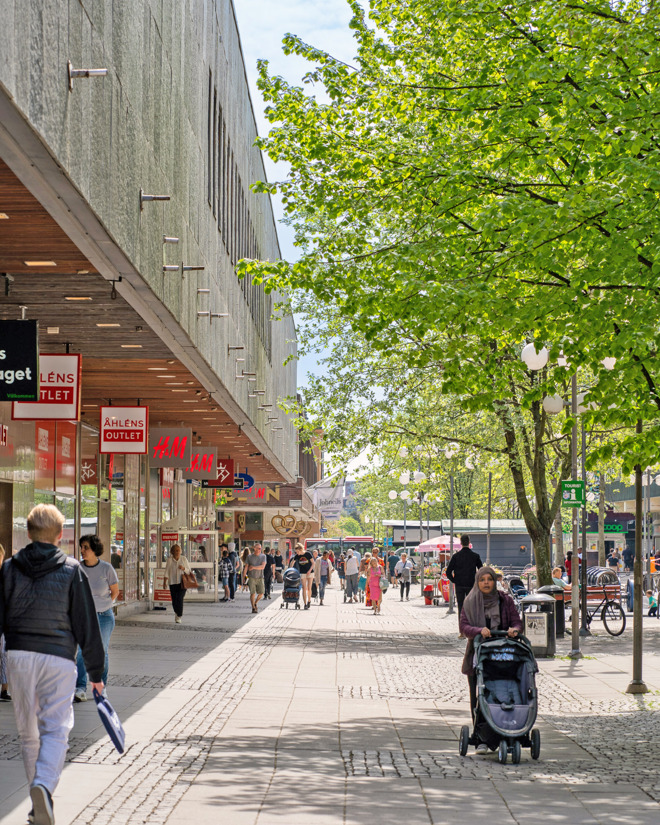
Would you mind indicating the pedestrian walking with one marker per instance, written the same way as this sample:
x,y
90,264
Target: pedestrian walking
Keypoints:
x,y
653,603
340,567
304,564
255,564
485,609
392,561
352,573
322,574
403,574
104,584
269,572
374,573
461,571
226,572
174,568
46,610
279,566
244,569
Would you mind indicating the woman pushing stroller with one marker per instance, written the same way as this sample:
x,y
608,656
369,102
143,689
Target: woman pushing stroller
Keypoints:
x,y
485,609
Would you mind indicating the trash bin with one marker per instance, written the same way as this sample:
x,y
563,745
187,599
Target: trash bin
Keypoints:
x,y
539,623
557,594
428,594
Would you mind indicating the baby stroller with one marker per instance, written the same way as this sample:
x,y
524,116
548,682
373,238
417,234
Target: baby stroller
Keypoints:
x,y
517,588
291,590
507,700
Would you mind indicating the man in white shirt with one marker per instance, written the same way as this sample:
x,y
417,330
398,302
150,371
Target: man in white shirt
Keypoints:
x,y
352,568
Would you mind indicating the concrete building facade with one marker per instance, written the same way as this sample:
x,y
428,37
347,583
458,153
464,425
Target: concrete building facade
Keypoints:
x,y
127,203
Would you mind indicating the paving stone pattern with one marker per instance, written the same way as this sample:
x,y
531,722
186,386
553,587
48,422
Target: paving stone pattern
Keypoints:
x,y
174,758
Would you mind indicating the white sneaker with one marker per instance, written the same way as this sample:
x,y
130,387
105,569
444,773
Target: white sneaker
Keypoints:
x,y
177,619
482,748
80,695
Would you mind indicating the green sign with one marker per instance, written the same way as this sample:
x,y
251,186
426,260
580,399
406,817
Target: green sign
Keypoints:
x,y
572,494
613,528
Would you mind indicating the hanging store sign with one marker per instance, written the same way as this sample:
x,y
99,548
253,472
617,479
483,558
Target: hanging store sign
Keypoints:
x,y
170,447
202,464
19,361
59,391
124,430
214,483
225,472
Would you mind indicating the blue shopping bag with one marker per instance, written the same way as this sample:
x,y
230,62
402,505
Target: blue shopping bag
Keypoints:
x,y
111,721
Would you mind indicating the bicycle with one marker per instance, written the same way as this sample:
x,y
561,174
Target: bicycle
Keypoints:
x,y
611,615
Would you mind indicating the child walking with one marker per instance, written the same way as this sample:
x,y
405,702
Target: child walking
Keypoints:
x,y
653,603
373,581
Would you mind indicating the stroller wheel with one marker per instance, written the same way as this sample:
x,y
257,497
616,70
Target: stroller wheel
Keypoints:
x,y
515,752
463,740
503,752
282,604
536,743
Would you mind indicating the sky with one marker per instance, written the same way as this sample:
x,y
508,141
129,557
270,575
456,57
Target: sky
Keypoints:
x,y
262,25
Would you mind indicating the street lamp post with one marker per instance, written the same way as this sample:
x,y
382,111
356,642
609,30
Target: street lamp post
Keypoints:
x,y
451,538
637,684
584,629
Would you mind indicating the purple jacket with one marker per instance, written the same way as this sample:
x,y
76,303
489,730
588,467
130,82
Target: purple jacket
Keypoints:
x,y
509,617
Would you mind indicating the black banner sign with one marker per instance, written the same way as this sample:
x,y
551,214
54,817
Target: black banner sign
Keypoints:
x,y
19,361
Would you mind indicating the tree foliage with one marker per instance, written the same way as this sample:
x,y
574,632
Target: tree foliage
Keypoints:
x,y
480,176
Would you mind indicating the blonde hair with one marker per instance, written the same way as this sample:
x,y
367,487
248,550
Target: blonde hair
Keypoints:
x,y
374,563
45,523
556,572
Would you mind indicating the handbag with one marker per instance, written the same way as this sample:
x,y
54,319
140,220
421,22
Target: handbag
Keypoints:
x,y
188,581
384,583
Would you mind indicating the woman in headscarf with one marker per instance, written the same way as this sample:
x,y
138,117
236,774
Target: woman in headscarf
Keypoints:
x,y
485,608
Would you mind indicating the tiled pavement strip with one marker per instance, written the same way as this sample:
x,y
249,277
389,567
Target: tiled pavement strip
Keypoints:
x,y
338,717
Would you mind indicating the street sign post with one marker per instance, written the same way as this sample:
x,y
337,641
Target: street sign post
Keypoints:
x,y
573,494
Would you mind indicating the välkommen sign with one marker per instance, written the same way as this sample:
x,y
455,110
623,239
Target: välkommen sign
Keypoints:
x,y
124,429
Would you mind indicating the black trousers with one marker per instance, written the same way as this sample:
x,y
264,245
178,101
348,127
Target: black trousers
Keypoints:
x,y
268,584
482,731
177,592
461,593
404,588
232,585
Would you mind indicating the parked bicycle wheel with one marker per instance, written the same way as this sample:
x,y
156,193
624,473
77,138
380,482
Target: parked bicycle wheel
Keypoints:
x,y
613,618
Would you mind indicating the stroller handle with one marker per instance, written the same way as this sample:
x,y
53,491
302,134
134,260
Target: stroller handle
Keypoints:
x,y
501,634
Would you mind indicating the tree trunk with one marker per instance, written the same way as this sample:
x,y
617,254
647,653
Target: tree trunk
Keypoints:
x,y
559,540
601,524
542,544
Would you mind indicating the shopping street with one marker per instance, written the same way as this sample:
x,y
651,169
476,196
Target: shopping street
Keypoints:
x,y
338,717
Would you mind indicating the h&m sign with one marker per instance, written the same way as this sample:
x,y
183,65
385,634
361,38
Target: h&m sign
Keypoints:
x,y
170,447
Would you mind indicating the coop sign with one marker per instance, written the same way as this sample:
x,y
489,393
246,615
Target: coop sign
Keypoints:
x,y
124,429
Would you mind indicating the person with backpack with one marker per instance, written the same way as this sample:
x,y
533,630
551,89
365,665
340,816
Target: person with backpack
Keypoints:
x,y
461,570
46,612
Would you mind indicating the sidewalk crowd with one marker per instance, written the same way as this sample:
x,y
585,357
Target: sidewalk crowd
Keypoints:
x,y
230,709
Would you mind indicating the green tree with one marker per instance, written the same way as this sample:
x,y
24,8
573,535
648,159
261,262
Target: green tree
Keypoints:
x,y
484,175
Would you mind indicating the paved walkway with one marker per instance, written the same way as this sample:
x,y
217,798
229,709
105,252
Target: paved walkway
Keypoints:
x,y
334,716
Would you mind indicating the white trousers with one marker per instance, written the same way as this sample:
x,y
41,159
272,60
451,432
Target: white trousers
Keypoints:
x,y
42,689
